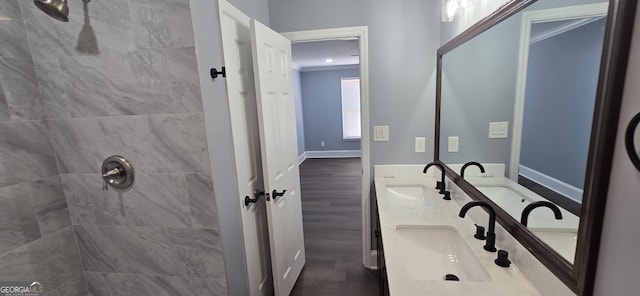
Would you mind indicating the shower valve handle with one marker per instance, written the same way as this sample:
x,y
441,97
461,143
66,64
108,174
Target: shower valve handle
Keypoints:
x,y
117,172
109,176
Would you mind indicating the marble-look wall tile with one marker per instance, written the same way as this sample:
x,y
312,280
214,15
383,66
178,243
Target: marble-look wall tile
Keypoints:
x,y
5,115
76,286
158,200
114,284
97,284
204,213
12,33
50,205
136,250
18,223
177,71
153,144
27,152
18,79
201,250
51,86
179,252
113,85
80,191
140,82
52,260
106,30
162,23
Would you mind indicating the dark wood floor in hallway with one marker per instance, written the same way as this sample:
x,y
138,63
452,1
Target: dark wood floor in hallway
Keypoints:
x,y
331,211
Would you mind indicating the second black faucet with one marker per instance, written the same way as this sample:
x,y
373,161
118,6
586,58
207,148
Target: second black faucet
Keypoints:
x,y
490,245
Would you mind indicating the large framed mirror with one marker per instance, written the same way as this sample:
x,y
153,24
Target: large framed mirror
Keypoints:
x,y
532,93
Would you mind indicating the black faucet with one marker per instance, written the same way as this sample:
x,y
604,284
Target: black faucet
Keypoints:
x,y
440,184
468,164
525,213
490,245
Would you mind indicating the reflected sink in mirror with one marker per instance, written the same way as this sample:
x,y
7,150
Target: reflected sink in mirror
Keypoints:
x,y
408,195
442,249
508,199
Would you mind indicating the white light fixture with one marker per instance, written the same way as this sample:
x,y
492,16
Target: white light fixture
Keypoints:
x,y
329,60
451,8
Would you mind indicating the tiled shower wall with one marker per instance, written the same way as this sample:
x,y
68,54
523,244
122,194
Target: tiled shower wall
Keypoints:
x,y
122,81
36,237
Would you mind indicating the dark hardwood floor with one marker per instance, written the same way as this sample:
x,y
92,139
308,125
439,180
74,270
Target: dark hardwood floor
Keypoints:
x,y
331,211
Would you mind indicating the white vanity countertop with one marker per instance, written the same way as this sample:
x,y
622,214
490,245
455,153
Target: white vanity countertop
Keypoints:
x,y
504,281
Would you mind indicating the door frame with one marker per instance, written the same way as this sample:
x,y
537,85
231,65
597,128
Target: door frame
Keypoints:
x,y
528,18
361,33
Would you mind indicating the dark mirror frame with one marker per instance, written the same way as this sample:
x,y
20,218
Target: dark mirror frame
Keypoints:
x,y
579,276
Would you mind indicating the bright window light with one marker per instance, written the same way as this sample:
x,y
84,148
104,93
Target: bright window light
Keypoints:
x,y
329,60
350,108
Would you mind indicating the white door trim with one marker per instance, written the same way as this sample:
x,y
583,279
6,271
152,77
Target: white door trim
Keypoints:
x,y
361,33
528,18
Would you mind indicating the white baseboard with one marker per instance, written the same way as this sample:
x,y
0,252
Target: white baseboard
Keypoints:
x,y
552,183
329,154
373,260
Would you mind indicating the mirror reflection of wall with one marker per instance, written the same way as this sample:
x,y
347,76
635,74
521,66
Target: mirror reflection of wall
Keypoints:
x,y
564,59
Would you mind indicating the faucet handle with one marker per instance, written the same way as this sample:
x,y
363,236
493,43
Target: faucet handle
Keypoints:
x,y
503,259
479,232
447,195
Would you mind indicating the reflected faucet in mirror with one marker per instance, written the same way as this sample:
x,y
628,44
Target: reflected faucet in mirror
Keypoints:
x,y
525,213
440,184
490,245
464,167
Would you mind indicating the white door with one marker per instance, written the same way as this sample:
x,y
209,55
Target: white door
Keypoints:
x,y
278,141
236,46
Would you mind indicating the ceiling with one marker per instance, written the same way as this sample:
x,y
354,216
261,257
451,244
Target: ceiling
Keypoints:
x,y
314,54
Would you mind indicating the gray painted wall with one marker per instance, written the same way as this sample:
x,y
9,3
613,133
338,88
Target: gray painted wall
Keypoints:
x,y
297,94
403,39
402,65
322,107
560,96
618,260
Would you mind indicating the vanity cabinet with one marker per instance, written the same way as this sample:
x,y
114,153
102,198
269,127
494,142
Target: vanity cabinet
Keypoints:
x,y
382,269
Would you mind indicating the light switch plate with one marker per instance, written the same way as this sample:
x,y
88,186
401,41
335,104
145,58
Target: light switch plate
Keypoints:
x,y
381,133
420,144
453,144
498,130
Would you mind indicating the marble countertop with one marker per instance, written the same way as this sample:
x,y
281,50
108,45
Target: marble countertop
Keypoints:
x,y
504,281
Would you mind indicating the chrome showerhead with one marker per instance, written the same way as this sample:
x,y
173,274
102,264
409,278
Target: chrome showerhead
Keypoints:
x,y
57,9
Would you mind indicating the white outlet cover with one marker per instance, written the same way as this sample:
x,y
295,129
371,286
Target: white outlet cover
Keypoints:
x,y
420,144
498,130
381,133
453,144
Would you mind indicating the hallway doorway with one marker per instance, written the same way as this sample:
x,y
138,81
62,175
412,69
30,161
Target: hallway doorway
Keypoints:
x,y
331,211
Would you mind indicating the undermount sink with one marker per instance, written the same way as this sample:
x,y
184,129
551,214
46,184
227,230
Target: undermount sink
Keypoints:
x,y
408,195
436,251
